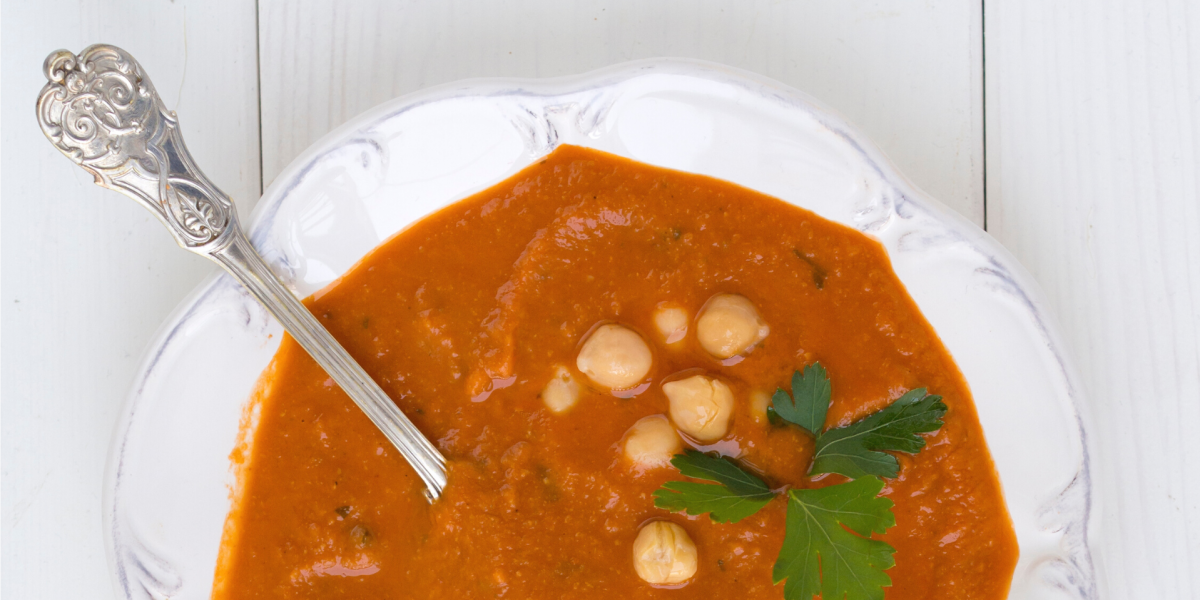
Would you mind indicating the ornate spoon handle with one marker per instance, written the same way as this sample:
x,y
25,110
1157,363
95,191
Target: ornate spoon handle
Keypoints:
x,y
102,112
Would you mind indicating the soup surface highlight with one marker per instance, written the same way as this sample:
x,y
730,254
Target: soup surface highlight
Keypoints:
x,y
474,321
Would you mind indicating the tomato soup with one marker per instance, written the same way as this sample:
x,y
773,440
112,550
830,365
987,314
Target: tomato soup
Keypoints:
x,y
475,321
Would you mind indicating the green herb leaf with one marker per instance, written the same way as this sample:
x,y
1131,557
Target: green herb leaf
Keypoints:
x,y
856,450
720,469
735,495
819,554
809,401
722,504
774,419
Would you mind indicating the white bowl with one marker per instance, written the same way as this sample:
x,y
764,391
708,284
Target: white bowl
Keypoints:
x,y
169,477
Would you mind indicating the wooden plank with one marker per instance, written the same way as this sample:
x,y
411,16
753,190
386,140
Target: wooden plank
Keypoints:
x,y
908,72
88,276
1093,142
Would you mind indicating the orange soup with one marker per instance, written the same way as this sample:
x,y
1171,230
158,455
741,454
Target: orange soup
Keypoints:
x,y
477,322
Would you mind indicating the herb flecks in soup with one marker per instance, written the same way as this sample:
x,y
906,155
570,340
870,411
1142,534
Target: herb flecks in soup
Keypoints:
x,y
565,337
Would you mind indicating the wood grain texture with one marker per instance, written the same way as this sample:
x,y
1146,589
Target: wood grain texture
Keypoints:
x,y
1093,147
88,275
1093,142
907,72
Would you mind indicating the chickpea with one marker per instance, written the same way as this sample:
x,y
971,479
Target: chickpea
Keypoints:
x,y
700,406
664,554
759,401
614,357
651,443
730,325
561,392
672,323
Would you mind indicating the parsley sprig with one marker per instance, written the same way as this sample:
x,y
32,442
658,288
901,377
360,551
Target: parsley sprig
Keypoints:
x,y
827,548
858,449
735,495
808,402
819,555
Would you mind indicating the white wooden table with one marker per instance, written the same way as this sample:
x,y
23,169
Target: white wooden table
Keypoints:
x,y
1071,130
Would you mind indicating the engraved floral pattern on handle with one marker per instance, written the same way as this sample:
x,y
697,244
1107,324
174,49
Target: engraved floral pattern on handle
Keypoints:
x,y
100,110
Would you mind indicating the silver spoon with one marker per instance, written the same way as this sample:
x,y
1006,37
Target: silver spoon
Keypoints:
x,y
101,111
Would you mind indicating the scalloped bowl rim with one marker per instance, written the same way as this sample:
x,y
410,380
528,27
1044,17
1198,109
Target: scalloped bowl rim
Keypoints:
x,y
894,211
